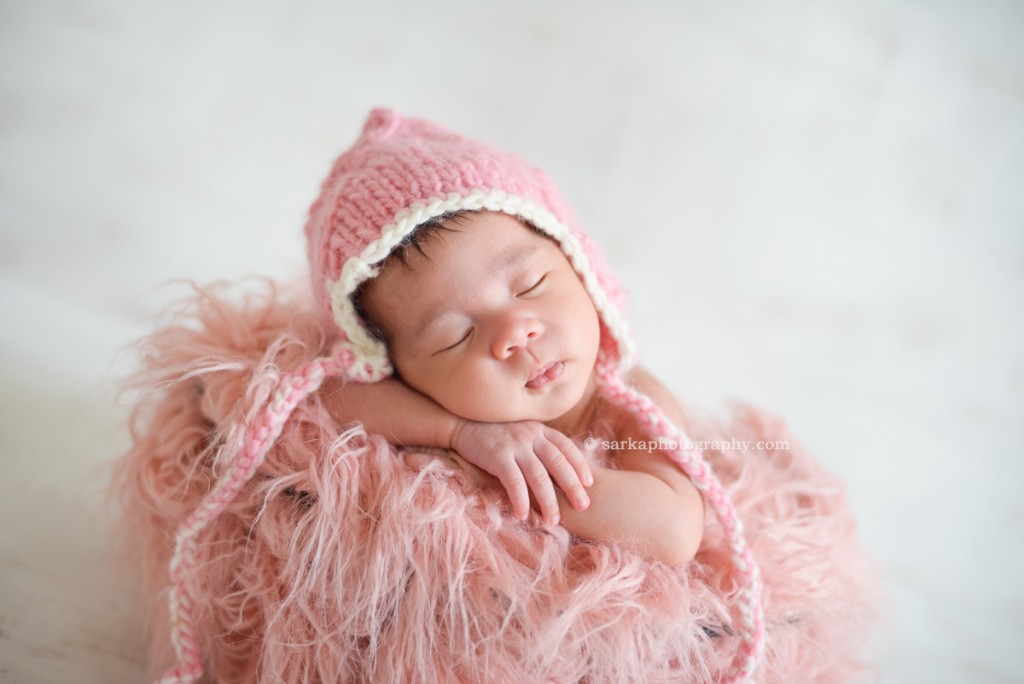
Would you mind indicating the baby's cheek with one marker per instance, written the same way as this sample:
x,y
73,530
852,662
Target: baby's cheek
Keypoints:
x,y
476,402
451,390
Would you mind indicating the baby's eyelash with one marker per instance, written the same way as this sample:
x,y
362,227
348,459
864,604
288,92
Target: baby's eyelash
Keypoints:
x,y
533,287
456,344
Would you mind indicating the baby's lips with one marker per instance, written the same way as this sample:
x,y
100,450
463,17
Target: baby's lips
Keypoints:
x,y
545,374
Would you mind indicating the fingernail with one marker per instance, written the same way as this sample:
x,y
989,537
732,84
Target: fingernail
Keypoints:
x,y
582,502
553,520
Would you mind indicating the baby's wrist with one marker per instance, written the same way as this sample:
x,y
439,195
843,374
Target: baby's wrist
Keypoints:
x,y
454,430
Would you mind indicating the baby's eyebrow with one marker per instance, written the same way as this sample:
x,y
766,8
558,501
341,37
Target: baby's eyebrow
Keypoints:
x,y
513,257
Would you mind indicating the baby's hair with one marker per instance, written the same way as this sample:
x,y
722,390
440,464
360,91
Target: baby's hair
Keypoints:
x,y
426,231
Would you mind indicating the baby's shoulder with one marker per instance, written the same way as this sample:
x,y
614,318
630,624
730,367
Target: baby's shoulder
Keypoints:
x,y
624,423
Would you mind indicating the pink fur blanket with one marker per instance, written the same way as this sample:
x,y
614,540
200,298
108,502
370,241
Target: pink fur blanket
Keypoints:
x,y
345,560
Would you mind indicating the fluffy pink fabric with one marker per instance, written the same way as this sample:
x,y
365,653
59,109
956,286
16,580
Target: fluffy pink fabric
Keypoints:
x,y
346,561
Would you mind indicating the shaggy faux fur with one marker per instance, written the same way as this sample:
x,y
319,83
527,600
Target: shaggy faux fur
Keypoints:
x,y
345,560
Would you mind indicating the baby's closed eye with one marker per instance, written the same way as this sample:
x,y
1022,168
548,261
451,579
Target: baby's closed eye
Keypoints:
x,y
462,338
534,287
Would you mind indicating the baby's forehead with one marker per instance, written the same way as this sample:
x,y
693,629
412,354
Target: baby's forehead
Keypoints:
x,y
448,263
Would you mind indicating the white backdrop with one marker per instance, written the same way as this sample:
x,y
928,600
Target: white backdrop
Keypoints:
x,y
815,206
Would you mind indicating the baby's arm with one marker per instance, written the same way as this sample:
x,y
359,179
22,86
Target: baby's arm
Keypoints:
x,y
648,505
525,456
644,507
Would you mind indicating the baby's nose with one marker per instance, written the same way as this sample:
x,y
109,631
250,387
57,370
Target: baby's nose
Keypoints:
x,y
515,334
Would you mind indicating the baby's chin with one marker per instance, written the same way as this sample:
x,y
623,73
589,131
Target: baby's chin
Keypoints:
x,y
510,413
517,417
551,407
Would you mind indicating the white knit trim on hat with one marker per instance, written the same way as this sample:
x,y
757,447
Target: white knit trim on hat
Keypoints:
x,y
366,265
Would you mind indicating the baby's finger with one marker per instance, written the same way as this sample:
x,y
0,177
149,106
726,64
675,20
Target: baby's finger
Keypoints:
x,y
573,454
539,481
563,473
512,480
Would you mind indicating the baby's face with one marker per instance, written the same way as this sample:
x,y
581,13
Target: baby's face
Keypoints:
x,y
491,322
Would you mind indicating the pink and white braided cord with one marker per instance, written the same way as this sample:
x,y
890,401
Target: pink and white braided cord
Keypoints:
x,y
260,437
690,462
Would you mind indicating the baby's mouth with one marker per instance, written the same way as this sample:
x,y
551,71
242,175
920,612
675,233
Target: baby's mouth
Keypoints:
x,y
545,374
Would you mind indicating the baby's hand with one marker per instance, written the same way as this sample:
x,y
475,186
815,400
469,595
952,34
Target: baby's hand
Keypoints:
x,y
525,456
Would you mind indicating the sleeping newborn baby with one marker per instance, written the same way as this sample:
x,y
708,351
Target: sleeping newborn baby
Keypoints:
x,y
494,339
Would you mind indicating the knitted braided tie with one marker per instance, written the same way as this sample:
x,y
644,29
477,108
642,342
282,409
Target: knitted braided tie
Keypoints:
x,y
689,460
260,437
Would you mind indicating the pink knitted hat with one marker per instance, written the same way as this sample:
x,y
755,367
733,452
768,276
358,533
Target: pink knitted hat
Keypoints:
x,y
399,174
403,172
